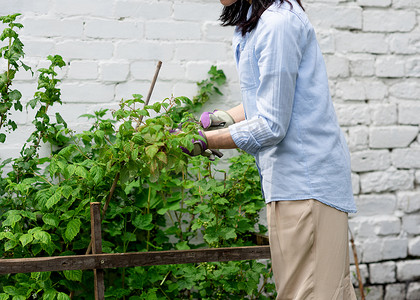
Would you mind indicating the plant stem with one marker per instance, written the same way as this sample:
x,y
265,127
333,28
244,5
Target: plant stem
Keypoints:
x,y
148,211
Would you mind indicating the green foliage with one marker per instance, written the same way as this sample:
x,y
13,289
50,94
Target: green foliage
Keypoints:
x,y
159,199
12,52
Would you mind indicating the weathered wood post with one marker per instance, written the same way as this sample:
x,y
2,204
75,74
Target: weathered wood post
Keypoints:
x,y
96,236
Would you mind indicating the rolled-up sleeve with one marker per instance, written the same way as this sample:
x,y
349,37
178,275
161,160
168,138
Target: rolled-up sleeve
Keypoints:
x,y
278,52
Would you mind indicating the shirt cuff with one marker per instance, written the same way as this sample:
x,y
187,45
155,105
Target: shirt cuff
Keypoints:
x,y
243,138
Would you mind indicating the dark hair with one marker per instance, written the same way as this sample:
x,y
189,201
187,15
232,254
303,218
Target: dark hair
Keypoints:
x,y
236,14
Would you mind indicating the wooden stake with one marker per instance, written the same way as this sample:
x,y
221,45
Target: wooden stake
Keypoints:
x,y
95,222
152,86
356,263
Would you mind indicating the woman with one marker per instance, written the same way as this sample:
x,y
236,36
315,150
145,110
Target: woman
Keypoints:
x,y
287,121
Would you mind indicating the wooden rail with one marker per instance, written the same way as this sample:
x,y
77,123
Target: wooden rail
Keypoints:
x,y
97,261
123,260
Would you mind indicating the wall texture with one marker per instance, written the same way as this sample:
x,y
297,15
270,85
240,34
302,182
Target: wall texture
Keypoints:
x,y
372,52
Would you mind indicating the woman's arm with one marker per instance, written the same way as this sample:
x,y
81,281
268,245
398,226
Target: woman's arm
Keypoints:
x,y
221,139
237,113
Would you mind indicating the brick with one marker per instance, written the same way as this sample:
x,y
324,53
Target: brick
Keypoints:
x,y
374,3
39,48
362,65
407,89
143,10
386,181
83,70
103,8
375,89
394,248
114,71
355,183
383,114
408,113
392,136
109,29
197,70
364,274
352,114
405,4
351,90
375,43
417,175
53,27
143,70
327,16
125,90
390,67
373,20
408,270
196,11
411,224
406,158
358,138
186,89
85,49
370,205
409,202
395,291
71,116
213,31
372,292
382,272
370,160
166,30
326,42
337,66
8,7
87,92
413,291
196,51
412,67
405,43
414,246
144,50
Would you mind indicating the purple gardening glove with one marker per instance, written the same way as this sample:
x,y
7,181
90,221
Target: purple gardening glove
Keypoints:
x,y
200,147
217,119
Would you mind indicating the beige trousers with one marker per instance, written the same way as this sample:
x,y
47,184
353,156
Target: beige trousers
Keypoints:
x,y
309,251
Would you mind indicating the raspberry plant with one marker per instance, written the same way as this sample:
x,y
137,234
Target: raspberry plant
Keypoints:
x,y
157,198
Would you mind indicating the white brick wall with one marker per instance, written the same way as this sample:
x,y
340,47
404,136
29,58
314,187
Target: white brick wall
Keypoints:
x,y
372,53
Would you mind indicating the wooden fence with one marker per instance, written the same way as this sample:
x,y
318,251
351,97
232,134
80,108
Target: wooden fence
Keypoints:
x,y
99,261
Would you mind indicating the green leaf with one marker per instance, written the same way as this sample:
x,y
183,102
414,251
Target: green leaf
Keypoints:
x,y
26,239
2,137
97,174
19,297
73,275
162,157
53,200
66,191
182,246
42,236
10,245
73,228
151,150
4,296
63,296
81,171
143,222
11,290
51,219
228,233
15,95
11,220
49,294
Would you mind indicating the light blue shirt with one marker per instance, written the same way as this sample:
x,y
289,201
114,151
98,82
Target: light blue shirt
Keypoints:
x,y
291,127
